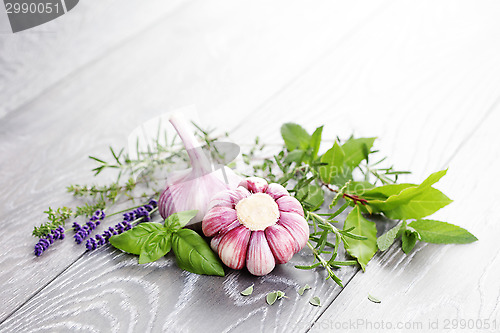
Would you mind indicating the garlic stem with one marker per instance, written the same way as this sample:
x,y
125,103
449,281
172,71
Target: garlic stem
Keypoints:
x,y
199,161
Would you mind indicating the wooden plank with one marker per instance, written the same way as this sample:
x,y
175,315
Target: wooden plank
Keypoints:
x,y
164,282
231,54
35,59
439,287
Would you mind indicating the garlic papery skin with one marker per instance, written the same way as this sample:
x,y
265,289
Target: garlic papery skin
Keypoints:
x,y
192,189
257,225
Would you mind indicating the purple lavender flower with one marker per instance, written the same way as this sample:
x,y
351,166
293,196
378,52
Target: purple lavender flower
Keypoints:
x,y
82,232
44,243
142,213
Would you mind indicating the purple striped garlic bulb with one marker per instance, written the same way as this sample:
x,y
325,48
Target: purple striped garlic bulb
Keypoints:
x,y
257,225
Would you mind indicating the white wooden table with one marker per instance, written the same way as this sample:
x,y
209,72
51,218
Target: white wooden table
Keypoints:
x,y
422,76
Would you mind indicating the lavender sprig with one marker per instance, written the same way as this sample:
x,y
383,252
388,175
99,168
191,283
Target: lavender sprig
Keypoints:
x,y
82,232
44,243
139,215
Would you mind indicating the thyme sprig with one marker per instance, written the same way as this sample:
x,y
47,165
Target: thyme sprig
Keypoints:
x,y
55,219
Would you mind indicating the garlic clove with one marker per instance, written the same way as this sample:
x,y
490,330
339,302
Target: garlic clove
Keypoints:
x,y
290,204
216,219
233,247
276,191
224,198
260,259
228,198
241,193
214,243
254,184
281,243
298,228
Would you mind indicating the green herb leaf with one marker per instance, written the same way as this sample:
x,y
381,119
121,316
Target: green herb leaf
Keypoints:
x,y
334,168
401,193
424,204
312,196
357,150
412,202
179,220
193,254
386,240
374,299
295,156
359,188
362,250
295,136
133,240
385,191
315,301
280,294
157,245
247,291
315,142
271,297
303,289
409,239
432,231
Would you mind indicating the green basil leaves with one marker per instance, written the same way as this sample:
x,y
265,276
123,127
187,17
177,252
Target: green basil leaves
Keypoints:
x,y
151,241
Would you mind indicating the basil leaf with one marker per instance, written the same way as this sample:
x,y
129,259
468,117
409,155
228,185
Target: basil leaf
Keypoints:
x,y
247,291
312,196
133,240
295,136
386,240
333,171
410,237
357,150
155,247
179,220
315,142
193,254
362,250
432,231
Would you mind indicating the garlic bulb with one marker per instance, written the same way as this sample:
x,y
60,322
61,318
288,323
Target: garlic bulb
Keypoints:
x,y
193,188
257,225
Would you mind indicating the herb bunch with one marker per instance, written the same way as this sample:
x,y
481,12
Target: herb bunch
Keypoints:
x,y
360,187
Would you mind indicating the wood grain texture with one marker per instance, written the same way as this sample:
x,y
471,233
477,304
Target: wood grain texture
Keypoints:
x,y
424,88
199,55
33,60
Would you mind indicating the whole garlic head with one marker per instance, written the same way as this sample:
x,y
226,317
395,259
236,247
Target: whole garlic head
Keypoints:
x,y
257,225
193,188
